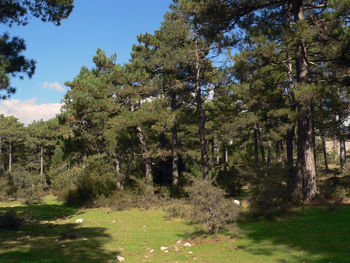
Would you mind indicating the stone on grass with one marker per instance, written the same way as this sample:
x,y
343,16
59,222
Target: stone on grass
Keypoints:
x,y
120,258
187,244
163,248
79,220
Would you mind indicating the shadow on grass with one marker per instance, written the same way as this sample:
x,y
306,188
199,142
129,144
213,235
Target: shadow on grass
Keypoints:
x,y
323,235
46,239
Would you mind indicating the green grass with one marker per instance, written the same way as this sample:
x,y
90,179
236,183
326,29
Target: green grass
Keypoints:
x,y
50,234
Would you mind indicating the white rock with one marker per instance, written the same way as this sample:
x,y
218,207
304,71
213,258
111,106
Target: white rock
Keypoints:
x,y
163,248
166,251
189,252
143,226
113,221
151,250
179,242
176,249
79,220
120,258
236,202
187,244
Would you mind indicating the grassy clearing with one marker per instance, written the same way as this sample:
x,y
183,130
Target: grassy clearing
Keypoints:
x,y
50,234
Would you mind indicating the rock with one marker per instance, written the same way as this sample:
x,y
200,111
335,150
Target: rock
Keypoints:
x,y
151,250
176,249
163,248
187,244
189,252
179,242
113,222
166,251
79,221
236,202
120,258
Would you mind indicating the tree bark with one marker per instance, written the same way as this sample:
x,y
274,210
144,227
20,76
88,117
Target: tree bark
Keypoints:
x,y
202,119
342,146
10,157
41,162
175,161
305,185
256,146
145,155
1,160
324,152
225,153
262,150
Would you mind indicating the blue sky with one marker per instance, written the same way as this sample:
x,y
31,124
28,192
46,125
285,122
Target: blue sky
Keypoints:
x,y
60,52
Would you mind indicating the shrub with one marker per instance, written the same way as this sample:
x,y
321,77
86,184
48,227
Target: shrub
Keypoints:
x,y
230,180
10,220
142,195
209,206
332,190
29,187
270,193
96,180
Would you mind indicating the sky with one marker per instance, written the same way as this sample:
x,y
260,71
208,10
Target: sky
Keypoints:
x,y
60,51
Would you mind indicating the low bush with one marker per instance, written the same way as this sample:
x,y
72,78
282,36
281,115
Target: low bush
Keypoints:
x,y
28,187
207,206
332,191
230,180
95,181
270,194
10,220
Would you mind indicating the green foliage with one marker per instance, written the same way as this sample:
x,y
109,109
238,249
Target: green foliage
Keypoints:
x,y
270,194
28,186
10,220
230,180
94,181
210,207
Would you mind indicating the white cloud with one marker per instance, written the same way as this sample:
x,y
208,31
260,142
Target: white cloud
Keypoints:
x,y
28,111
53,85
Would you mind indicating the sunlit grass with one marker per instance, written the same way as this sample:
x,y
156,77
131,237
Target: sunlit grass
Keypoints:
x,y
51,235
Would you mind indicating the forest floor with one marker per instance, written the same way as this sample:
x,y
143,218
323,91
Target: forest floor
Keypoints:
x,y
50,234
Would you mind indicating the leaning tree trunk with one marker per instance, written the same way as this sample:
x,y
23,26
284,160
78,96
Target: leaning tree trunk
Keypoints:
x,y
1,161
306,169
203,143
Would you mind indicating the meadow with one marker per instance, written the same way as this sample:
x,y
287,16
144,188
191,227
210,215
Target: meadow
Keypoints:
x,y
50,234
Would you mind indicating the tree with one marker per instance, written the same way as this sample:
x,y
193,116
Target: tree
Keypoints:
x,y
306,26
12,62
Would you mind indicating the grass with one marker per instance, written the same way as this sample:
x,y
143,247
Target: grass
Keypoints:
x,y
50,234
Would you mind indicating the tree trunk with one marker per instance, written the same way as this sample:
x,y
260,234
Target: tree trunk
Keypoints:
x,y
262,151
1,160
305,182
117,165
324,152
278,152
42,163
225,153
269,153
145,155
175,161
342,145
10,157
203,143
256,146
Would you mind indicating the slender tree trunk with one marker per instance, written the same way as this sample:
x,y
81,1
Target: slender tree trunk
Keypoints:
x,y
203,143
175,161
306,170
278,152
269,153
324,152
1,160
10,157
256,146
262,150
174,144
117,165
145,155
42,162
216,150
225,153
342,145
